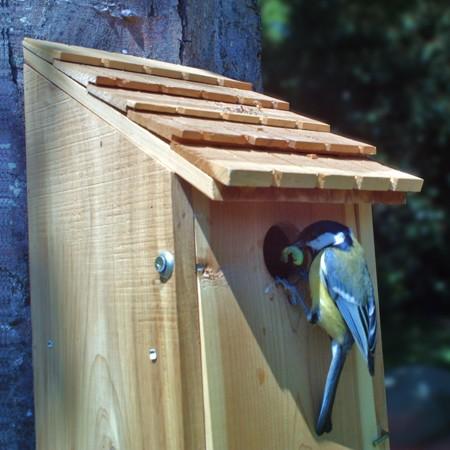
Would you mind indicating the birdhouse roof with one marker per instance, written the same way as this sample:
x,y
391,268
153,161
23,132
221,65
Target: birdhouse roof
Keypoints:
x,y
216,132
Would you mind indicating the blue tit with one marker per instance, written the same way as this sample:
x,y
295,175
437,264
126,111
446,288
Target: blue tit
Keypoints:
x,y
342,299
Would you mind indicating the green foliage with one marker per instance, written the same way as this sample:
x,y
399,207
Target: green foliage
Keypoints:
x,y
380,71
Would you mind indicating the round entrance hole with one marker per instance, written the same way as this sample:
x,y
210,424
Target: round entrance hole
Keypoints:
x,y
277,238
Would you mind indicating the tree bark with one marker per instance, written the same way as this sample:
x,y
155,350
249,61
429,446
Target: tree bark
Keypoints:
x,y
219,35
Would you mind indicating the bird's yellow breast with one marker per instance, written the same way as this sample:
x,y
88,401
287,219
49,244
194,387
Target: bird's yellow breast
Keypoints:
x,y
329,317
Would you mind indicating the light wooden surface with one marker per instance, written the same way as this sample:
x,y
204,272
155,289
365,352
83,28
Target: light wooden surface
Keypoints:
x,y
244,167
161,152
213,169
364,221
188,316
225,133
99,211
265,394
207,109
273,194
145,141
54,50
370,430
143,82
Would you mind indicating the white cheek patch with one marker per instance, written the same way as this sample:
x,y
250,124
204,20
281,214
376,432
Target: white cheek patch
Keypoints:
x,y
339,238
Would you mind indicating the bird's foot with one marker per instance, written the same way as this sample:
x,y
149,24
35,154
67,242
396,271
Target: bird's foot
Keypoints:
x,y
290,289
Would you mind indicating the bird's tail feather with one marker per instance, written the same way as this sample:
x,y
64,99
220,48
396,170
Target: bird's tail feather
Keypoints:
x,y
323,424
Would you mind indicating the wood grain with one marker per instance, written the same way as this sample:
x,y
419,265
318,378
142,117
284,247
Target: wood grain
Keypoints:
x,y
364,223
245,167
365,383
264,364
186,106
160,151
99,211
152,83
188,316
72,53
272,194
147,142
212,133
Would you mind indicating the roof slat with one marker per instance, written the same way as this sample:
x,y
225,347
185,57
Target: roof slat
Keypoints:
x,y
208,131
54,50
154,102
244,167
150,83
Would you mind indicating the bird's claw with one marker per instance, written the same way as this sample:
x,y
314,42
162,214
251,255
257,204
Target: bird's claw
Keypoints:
x,y
290,290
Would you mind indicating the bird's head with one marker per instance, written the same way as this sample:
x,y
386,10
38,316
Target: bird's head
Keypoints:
x,y
325,233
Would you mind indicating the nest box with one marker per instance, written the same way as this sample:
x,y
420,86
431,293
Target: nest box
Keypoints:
x,y
132,160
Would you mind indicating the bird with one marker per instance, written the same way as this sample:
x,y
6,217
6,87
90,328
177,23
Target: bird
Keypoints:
x,y
342,298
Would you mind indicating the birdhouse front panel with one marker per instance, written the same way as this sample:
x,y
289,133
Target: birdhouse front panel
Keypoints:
x,y
265,365
165,202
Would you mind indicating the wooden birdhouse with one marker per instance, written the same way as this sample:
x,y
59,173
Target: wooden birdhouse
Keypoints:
x,y
132,160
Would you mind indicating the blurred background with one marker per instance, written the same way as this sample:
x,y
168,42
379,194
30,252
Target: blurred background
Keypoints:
x,y
380,71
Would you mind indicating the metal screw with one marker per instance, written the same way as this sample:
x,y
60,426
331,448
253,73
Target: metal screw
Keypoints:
x,y
50,344
200,268
153,354
164,264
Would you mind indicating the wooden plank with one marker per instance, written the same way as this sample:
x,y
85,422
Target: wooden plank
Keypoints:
x,y
203,130
364,383
293,170
188,316
247,168
273,194
145,141
214,400
364,224
264,394
226,167
72,53
151,83
99,211
156,102
356,173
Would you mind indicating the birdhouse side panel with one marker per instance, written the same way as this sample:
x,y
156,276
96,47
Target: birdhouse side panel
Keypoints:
x,y
264,365
99,212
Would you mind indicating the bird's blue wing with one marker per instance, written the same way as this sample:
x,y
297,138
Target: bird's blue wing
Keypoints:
x,y
348,282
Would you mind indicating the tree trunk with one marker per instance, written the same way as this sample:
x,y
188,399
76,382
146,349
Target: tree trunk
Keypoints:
x,y
222,36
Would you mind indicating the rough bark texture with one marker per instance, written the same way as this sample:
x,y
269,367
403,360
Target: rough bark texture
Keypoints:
x,y
220,35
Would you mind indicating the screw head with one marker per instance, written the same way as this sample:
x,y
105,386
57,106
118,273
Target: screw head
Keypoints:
x,y
164,265
160,263
153,354
200,268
